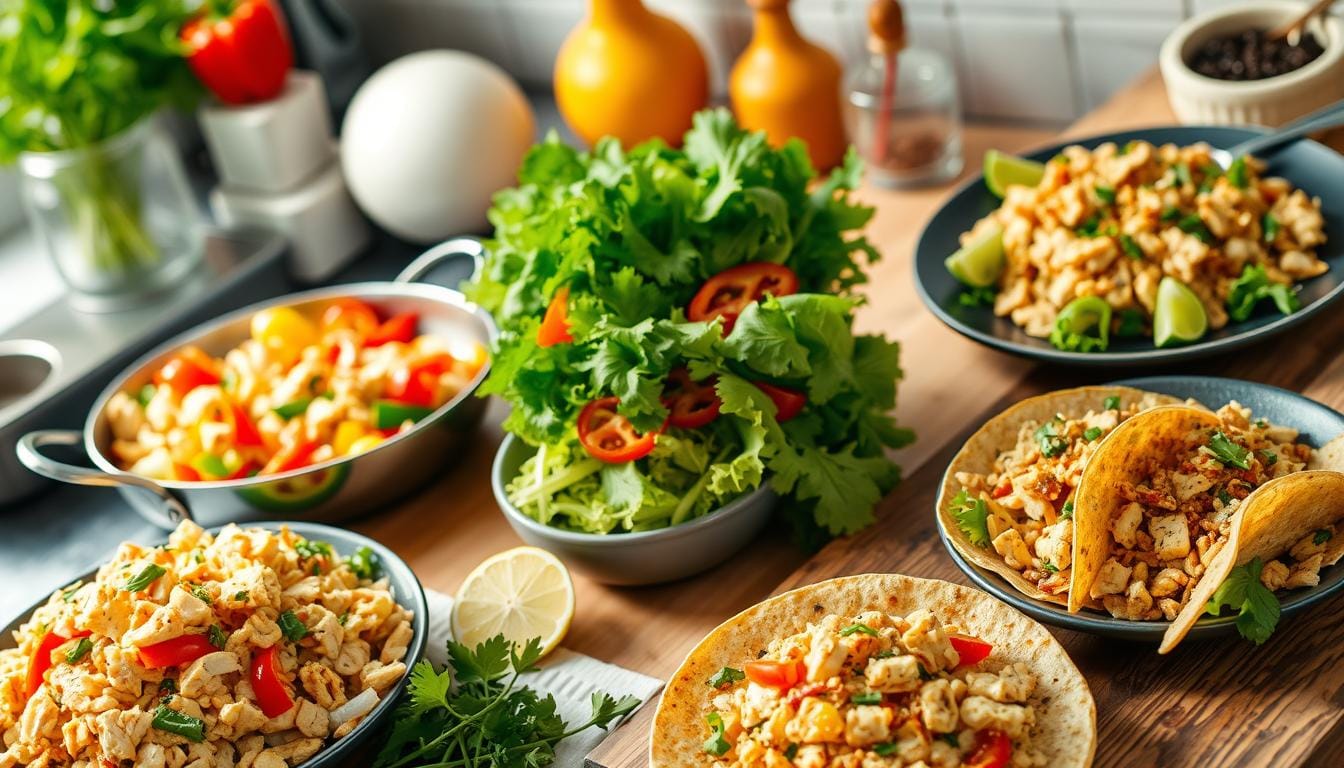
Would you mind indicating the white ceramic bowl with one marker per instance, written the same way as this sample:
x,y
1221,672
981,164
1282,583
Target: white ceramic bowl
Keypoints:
x,y
1270,102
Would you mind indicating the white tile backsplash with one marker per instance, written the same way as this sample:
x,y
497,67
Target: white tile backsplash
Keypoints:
x,y
1042,60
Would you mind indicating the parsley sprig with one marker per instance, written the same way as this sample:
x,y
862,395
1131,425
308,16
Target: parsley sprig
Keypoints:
x,y
487,718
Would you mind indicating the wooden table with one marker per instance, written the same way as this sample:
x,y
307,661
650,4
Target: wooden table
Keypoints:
x,y
1210,703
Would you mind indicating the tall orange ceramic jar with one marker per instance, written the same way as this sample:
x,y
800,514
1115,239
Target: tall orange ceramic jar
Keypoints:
x,y
630,73
786,86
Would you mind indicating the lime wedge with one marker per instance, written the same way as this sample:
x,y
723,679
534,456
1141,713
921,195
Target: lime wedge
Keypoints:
x,y
1002,170
1179,316
979,263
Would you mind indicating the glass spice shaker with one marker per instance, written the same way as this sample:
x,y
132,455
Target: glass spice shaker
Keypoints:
x,y
901,107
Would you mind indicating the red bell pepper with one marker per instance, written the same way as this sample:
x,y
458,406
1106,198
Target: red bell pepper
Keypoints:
x,y
177,652
416,384
290,457
188,369
40,660
397,328
245,433
240,50
272,695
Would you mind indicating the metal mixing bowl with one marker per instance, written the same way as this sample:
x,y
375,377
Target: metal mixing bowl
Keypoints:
x,y
332,490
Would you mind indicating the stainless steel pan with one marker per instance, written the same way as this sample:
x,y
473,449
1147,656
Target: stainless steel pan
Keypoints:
x,y
333,490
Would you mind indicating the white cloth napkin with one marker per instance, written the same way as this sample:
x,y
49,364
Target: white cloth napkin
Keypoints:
x,y
570,677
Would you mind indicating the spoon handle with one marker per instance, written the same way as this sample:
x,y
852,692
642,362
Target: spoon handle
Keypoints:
x,y
1328,117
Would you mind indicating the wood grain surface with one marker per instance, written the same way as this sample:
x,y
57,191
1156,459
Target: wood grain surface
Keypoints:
x,y
1213,703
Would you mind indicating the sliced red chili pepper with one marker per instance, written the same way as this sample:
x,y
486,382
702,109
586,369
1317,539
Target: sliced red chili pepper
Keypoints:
x,y
177,652
690,404
245,433
351,314
243,55
272,694
992,749
774,674
39,661
788,402
608,436
728,293
188,369
554,328
399,327
416,384
290,457
972,650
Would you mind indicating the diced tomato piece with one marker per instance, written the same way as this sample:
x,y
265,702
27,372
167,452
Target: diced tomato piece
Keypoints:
x,y
177,652
554,328
972,650
728,293
992,749
416,384
774,674
400,327
608,436
788,402
352,314
188,369
690,404
272,694
1004,488
39,661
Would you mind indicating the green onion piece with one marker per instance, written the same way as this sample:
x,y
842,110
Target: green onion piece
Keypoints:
x,y
389,414
725,676
867,697
148,576
80,650
1067,511
1083,325
172,721
1192,224
864,628
291,627
1170,213
211,465
293,408
1105,194
1239,173
1270,227
1111,403
885,748
364,564
145,394
1092,433
716,744
1131,248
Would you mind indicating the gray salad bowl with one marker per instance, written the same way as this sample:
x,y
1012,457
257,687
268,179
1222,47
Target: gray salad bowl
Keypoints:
x,y
359,746
640,557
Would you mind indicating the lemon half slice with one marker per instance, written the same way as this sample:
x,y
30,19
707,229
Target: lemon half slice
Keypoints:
x,y
522,593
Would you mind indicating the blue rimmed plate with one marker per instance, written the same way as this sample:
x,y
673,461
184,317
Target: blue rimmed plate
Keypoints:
x,y
1308,165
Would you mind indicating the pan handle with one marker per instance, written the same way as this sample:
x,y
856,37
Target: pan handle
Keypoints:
x,y
449,250
30,453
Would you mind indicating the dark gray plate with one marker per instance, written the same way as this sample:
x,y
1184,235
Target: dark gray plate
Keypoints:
x,y
1318,425
1306,164
406,590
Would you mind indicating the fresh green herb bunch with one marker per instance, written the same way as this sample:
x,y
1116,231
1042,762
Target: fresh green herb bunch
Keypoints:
x,y
633,235
476,714
77,72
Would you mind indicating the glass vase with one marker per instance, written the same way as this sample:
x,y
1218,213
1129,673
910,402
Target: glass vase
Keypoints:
x,y
117,217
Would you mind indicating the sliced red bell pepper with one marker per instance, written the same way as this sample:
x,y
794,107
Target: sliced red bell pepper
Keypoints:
x,y
399,327
272,694
177,652
245,433
971,650
554,328
352,314
290,457
788,402
188,369
240,50
40,659
186,473
416,384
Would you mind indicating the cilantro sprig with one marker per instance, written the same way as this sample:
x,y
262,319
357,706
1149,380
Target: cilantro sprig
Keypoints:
x,y
475,713
1228,452
972,515
1257,608
1254,286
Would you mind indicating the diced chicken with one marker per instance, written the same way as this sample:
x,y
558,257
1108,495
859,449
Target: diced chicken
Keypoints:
x,y
1273,575
1126,526
1013,683
826,656
381,677
1013,719
1013,548
1111,579
867,724
1055,545
938,707
897,674
1168,582
1171,536
121,731
311,720
912,741
201,677
354,654
1188,486
323,685
1304,574
242,717
926,641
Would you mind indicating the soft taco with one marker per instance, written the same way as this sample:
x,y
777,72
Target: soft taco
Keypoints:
x,y
1177,496
1006,503
876,669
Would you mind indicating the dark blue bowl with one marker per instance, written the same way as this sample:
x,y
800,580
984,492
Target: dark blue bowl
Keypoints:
x,y
406,590
1318,424
1308,165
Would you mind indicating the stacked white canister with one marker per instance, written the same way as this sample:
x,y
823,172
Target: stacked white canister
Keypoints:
x,y
278,169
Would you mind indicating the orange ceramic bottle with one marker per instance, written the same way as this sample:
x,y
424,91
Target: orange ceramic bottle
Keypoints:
x,y
630,73
786,86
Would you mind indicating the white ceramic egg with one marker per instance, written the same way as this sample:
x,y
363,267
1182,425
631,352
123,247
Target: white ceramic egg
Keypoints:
x,y
429,138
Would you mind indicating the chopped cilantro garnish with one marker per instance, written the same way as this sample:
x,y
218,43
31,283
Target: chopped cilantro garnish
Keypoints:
x,y
291,627
147,576
1131,247
971,515
1321,536
218,637
1049,567
1092,433
886,748
1192,224
1067,510
951,738
1269,227
1105,194
1131,323
1170,213
1258,609
716,744
1181,171
1239,173
344,617
725,676
1111,403
364,564
1224,496
201,593
1048,438
1254,286
1089,227
977,297
791,751
887,654
242,596
167,685
864,628
69,594
1228,452
1269,457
